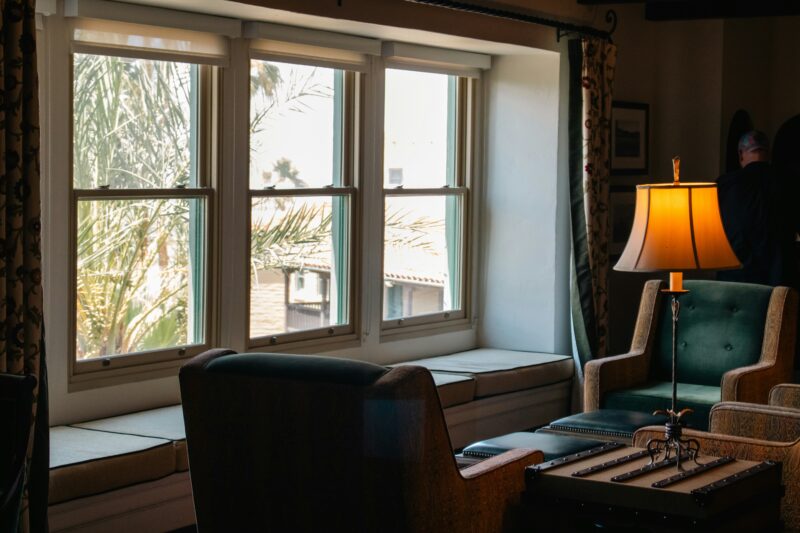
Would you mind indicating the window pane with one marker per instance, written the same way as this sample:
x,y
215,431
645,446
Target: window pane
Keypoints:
x,y
132,123
299,264
295,125
419,129
422,255
140,275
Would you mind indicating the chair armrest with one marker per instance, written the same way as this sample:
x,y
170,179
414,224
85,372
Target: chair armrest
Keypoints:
x,y
612,373
512,461
493,490
752,383
785,395
756,421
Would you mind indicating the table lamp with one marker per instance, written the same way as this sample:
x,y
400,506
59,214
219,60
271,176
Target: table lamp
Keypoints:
x,y
676,227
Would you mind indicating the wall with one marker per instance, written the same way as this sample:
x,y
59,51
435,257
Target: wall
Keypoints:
x,y
518,309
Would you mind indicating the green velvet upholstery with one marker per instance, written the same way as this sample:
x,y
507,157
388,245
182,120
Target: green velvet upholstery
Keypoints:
x,y
607,423
721,327
658,395
553,446
298,367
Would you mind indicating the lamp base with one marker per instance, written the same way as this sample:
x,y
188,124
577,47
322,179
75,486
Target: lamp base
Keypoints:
x,y
673,445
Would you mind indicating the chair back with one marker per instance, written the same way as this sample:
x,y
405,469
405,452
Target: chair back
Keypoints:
x,y
720,327
307,443
16,412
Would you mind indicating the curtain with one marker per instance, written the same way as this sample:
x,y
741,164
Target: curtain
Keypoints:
x,y
21,316
592,63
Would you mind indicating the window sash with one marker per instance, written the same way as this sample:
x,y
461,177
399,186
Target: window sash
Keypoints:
x,y
144,357
347,117
461,109
202,144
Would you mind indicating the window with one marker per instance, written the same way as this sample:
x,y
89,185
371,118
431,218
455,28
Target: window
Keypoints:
x,y
424,157
301,200
140,189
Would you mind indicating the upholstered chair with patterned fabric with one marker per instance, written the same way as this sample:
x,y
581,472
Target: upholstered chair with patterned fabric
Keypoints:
x,y
751,432
785,395
306,443
735,342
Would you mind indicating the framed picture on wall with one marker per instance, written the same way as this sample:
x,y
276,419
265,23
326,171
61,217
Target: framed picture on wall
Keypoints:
x,y
629,135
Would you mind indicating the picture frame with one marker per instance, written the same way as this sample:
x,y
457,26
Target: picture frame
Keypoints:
x,y
630,133
622,203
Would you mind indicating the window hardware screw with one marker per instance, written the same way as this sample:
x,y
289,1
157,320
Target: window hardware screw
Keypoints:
x,y
273,340
330,331
400,322
447,315
106,362
181,352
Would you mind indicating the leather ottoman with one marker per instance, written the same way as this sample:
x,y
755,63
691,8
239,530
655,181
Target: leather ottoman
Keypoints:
x,y
604,424
551,445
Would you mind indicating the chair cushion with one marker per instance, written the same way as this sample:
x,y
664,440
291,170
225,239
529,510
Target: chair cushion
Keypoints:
x,y
501,371
607,422
454,389
85,462
658,395
551,445
163,423
720,327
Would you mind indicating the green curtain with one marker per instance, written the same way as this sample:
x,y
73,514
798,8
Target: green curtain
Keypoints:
x,y
592,62
21,316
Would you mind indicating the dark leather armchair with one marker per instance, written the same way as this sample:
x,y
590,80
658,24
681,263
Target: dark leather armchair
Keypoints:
x,y
16,401
306,443
735,342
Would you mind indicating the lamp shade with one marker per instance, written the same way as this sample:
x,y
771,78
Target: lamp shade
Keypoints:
x,y
677,227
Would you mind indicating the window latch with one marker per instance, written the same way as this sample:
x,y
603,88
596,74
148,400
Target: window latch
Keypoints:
x,y
446,186
398,186
269,187
104,187
181,186
329,186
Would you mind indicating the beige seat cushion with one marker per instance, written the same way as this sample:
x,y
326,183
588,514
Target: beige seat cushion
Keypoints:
x,y
454,389
163,423
501,371
85,462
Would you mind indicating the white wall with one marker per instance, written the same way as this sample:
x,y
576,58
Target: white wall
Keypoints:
x,y
519,274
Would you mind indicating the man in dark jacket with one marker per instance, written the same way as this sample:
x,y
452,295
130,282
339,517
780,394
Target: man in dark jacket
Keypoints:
x,y
755,209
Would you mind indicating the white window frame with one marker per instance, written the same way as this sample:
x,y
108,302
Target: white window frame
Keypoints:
x,y
464,164
118,365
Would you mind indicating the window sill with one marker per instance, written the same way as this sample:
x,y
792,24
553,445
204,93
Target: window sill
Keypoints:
x,y
424,330
120,376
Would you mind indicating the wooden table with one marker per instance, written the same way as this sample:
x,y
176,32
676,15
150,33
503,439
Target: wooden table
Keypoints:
x,y
613,486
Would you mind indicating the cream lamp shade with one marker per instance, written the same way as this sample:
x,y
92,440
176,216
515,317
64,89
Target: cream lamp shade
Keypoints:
x,y
677,227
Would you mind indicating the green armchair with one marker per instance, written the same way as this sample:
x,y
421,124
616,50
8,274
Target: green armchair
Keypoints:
x,y
735,342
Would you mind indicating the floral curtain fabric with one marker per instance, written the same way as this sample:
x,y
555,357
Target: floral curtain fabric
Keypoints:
x,y
592,63
21,316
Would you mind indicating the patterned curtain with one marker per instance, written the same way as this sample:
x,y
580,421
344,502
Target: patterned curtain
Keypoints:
x,y
592,63
21,318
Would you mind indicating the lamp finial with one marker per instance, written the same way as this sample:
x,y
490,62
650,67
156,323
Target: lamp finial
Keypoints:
x,y
676,170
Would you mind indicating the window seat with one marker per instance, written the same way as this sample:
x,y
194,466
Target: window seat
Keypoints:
x,y
511,390
130,472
